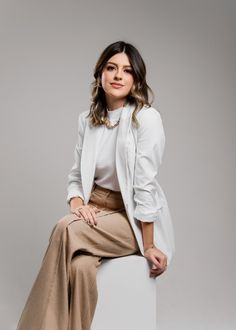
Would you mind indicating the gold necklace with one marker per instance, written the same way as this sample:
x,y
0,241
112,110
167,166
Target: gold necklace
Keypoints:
x,y
107,122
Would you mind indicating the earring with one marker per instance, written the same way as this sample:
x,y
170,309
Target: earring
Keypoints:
x,y
98,83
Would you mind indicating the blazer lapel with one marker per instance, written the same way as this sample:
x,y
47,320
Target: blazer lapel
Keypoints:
x,y
121,149
88,158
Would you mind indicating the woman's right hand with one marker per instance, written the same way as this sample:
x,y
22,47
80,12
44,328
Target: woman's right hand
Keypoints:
x,y
158,260
87,213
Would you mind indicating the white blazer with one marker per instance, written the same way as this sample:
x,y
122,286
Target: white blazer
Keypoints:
x,y
139,154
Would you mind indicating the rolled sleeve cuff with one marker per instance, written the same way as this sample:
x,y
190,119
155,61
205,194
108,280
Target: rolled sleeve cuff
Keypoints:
x,y
143,216
74,193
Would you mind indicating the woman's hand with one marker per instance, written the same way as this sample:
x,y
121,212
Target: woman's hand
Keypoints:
x,y
158,260
87,213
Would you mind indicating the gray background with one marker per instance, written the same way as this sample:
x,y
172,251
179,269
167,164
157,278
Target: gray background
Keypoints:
x,y
48,52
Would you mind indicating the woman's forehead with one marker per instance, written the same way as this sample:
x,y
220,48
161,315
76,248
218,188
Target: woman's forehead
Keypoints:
x,y
120,59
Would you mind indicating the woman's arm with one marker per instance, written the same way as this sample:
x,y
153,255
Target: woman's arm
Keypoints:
x,y
147,233
148,158
149,153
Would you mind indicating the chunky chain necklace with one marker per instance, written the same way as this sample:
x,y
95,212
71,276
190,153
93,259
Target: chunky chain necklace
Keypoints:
x,y
107,122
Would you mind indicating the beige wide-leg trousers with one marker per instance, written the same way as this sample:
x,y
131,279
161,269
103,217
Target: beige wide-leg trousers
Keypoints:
x,y
64,294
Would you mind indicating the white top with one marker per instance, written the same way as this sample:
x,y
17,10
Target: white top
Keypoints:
x,y
105,171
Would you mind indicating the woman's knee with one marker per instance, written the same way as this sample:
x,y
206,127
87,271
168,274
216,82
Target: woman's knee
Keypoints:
x,y
62,224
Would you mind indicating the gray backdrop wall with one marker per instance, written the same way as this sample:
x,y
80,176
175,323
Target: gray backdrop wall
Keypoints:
x,y
48,52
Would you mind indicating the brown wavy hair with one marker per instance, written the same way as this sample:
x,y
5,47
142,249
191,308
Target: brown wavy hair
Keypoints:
x,y
138,95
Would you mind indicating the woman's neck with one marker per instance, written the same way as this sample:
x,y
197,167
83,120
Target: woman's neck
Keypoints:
x,y
115,105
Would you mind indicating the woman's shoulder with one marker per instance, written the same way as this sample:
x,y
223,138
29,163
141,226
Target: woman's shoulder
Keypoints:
x,y
151,125
82,117
83,114
149,115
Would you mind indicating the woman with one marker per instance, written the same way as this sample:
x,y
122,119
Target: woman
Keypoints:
x,y
117,207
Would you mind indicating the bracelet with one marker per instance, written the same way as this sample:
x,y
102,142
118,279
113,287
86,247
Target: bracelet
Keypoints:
x,y
151,246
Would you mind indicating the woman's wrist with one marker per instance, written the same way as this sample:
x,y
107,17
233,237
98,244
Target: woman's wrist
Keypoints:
x,y
147,233
76,201
150,246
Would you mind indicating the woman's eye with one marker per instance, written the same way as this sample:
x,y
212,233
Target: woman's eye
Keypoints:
x,y
129,71
110,67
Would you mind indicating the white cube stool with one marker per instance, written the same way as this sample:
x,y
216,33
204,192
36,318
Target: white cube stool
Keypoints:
x,y
126,295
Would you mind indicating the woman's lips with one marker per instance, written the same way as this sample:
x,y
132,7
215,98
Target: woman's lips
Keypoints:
x,y
116,85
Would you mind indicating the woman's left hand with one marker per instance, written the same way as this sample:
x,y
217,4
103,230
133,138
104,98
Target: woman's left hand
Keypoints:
x,y
158,260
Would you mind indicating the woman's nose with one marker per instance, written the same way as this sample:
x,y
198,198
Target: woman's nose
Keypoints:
x,y
118,74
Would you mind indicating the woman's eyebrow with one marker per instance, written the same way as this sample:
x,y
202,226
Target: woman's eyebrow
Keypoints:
x,y
116,64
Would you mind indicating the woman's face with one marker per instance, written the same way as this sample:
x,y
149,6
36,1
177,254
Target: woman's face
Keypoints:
x,y
117,70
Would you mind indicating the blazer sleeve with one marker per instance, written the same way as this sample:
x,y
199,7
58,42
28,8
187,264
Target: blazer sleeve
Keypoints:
x,y
149,153
74,184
